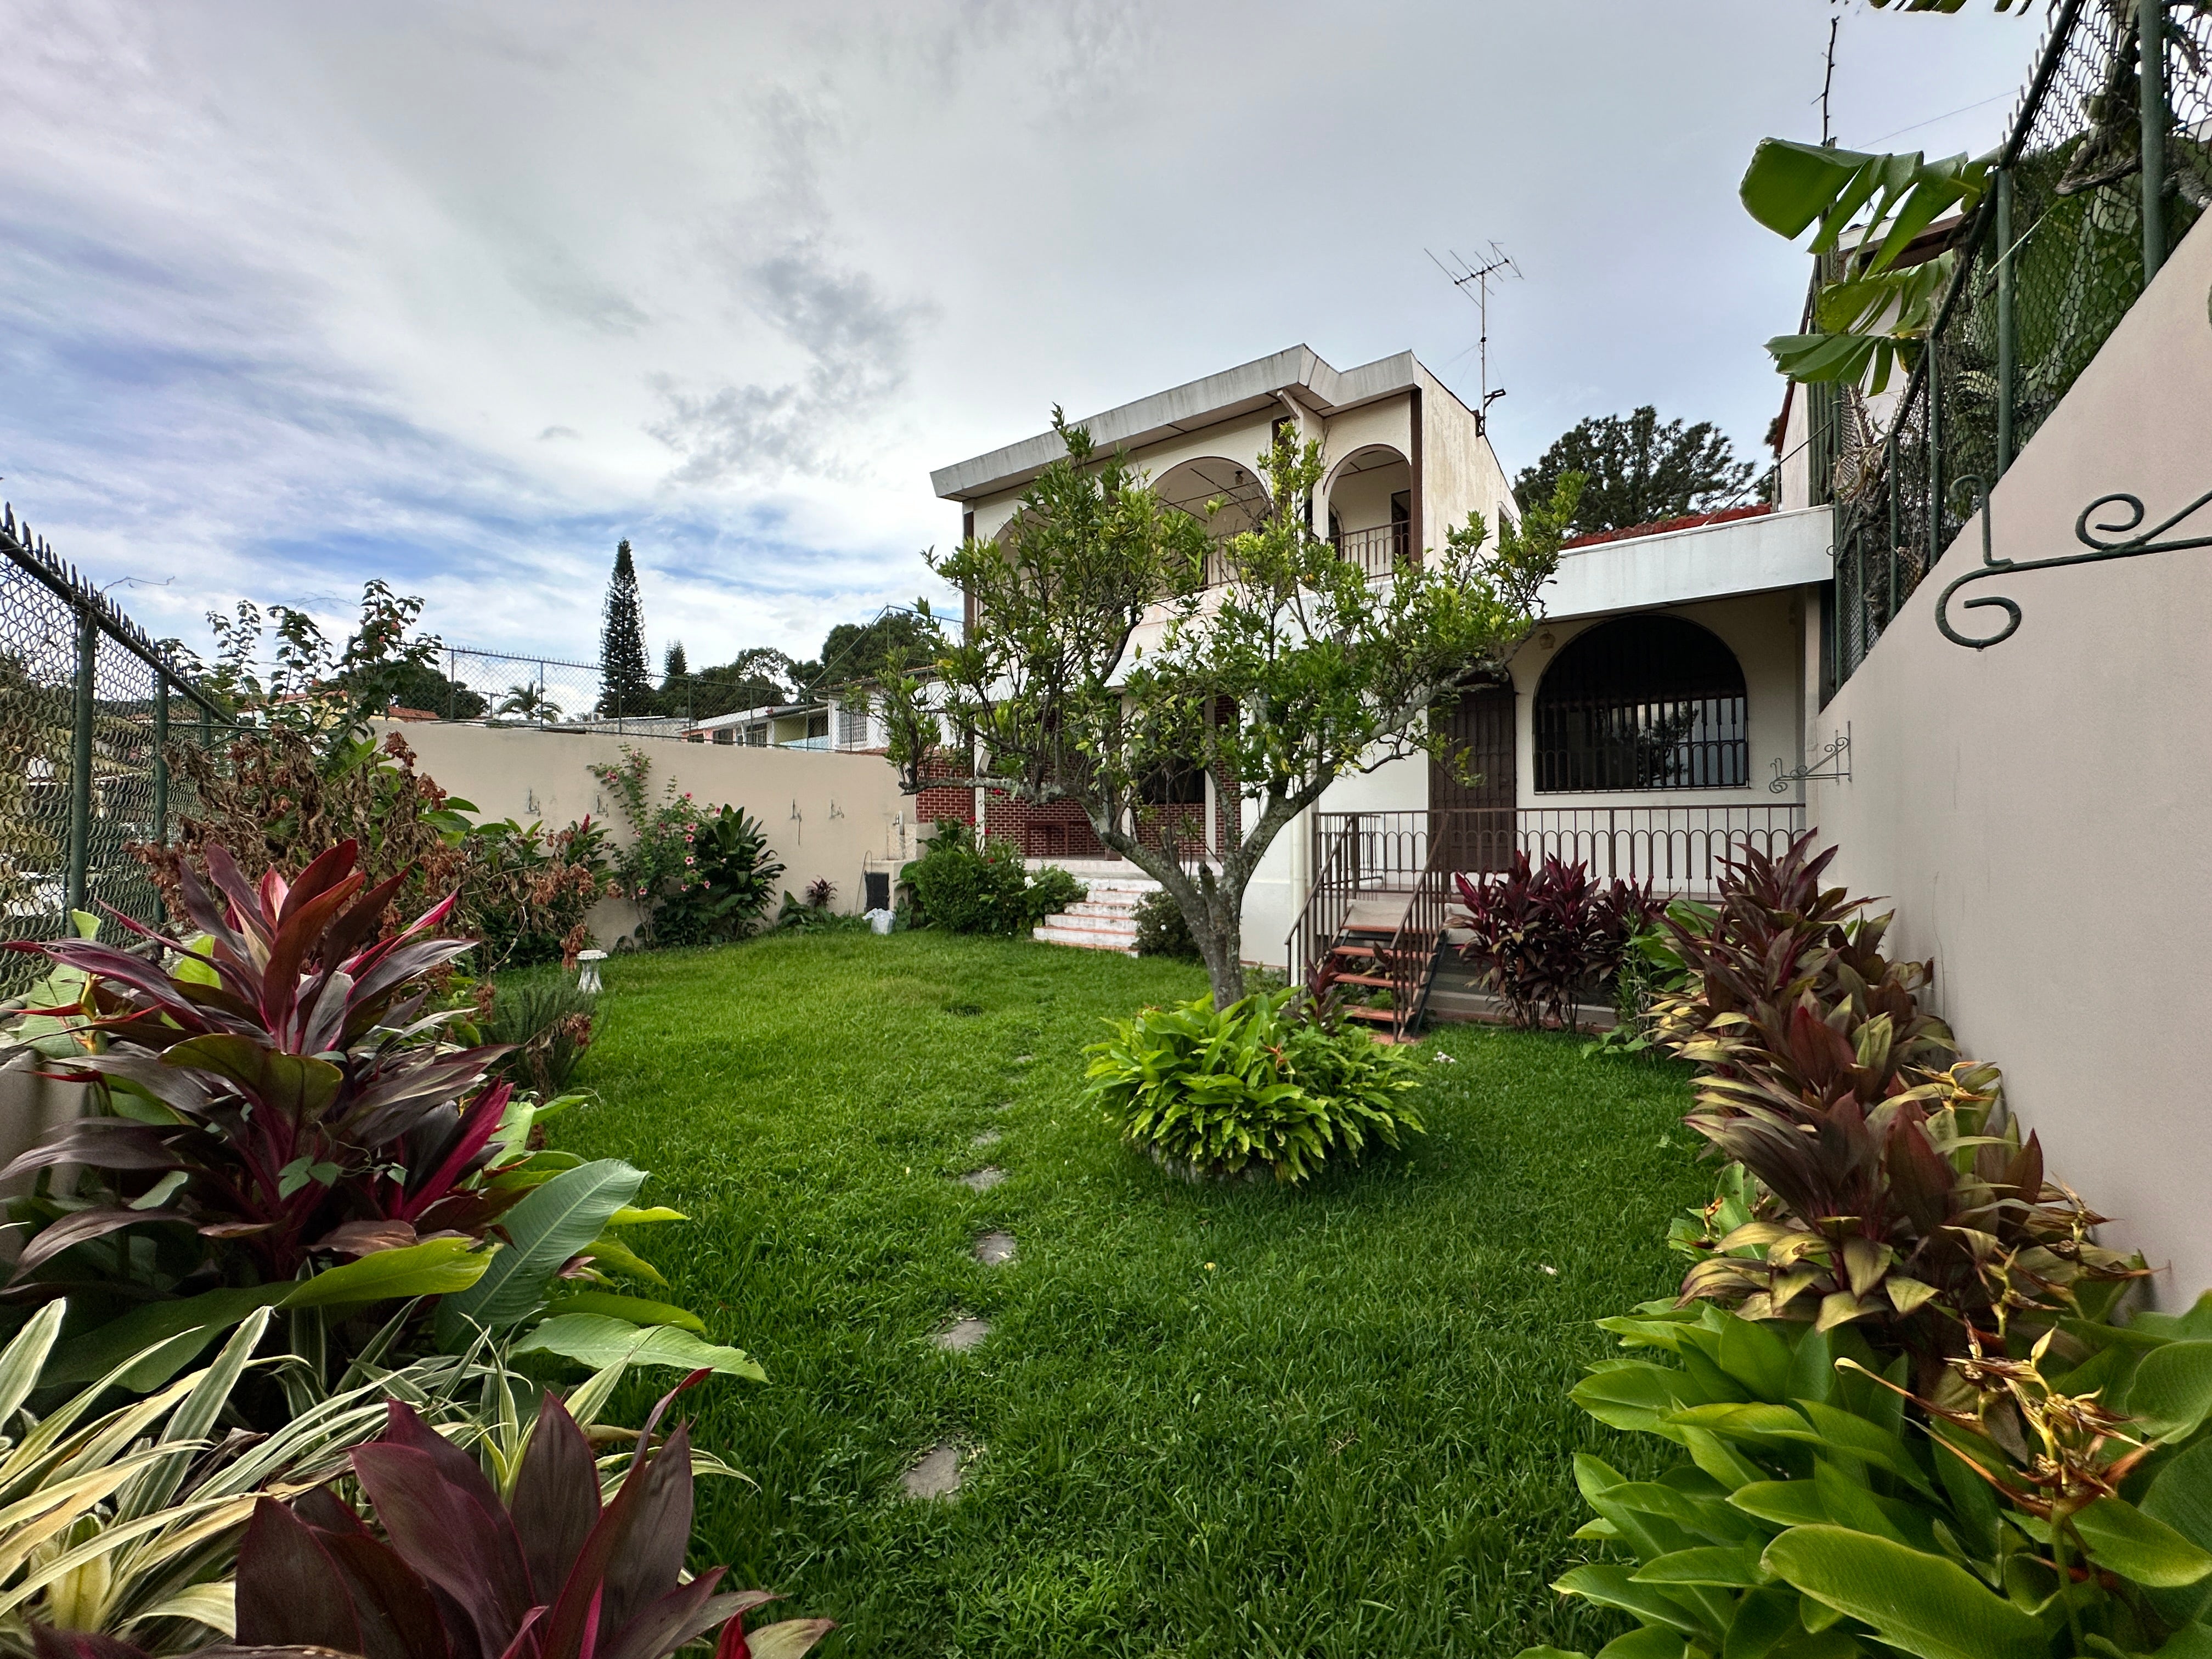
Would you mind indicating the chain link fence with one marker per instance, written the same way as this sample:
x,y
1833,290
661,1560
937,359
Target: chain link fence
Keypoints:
x,y
508,688
2108,162
87,702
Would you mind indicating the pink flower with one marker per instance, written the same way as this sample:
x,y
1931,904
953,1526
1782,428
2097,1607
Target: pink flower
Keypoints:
x,y
691,862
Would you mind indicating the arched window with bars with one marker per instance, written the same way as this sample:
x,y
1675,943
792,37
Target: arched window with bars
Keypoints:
x,y
1646,702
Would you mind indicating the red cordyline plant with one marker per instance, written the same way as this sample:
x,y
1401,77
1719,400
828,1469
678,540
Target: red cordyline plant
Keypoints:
x,y
285,1094
1893,1190
555,1570
1544,937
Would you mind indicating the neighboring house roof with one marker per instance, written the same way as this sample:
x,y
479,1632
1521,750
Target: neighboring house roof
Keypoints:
x,y
1298,372
1666,527
766,711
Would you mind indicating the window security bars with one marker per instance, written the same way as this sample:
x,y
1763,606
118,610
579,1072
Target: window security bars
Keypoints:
x,y
1642,703
1591,746
2105,167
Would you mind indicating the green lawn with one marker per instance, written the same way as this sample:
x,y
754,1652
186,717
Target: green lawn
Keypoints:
x,y
1211,1422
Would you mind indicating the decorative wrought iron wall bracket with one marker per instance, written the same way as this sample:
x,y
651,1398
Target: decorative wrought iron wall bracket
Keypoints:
x,y
2095,538
1833,765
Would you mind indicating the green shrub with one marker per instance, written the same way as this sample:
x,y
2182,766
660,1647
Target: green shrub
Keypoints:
x,y
963,886
1161,929
1250,1087
1823,1509
549,1020
1051,891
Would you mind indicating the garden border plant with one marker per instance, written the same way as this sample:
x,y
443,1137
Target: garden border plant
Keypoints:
x,y
1913,1420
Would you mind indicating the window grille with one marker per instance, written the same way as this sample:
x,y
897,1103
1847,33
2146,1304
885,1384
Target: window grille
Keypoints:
x,y
1642,702
853,728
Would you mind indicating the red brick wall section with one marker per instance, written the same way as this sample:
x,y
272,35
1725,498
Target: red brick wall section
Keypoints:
x,y
931,805
1057,830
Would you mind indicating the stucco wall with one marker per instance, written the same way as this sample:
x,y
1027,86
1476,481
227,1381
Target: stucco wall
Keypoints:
x,y
1461,473
826,813
2037,812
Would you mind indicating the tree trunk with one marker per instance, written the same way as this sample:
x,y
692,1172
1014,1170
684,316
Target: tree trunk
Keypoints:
x,y
1212,902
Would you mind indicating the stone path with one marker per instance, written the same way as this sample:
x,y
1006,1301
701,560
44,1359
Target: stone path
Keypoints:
x,y
963,1335
936,1475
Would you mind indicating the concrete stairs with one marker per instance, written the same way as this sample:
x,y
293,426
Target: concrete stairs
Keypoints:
x,y
1106,920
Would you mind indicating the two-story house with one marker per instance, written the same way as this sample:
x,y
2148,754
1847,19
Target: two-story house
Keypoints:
x,y
1646,721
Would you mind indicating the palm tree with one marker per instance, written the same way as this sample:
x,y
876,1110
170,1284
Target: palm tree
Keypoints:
x,y
529,702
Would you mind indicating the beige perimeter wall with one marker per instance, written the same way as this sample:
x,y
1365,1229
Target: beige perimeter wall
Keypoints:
x,y
826,814
2037,812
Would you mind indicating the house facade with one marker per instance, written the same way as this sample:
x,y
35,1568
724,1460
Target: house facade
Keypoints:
x,y
1643,728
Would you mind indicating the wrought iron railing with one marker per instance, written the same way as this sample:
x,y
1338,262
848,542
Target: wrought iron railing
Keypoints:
x,y
1385,857
1378,551
2108,162
1410,960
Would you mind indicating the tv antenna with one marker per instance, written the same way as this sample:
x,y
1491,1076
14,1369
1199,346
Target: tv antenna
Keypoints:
x,y
1478,271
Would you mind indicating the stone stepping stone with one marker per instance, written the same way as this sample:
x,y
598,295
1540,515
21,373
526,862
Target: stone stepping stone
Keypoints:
x,y
936,1474
987,1137
962,1335
982,1179
995,1249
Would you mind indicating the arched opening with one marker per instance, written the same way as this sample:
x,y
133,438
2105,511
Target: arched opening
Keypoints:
x,y
1370,508
1647,702
1190,486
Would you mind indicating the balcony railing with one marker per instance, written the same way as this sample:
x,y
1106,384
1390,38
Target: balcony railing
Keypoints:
x,y
1382,857
1378,551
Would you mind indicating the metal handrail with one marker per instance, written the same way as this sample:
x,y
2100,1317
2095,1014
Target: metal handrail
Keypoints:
x,y
1412,955
1330,897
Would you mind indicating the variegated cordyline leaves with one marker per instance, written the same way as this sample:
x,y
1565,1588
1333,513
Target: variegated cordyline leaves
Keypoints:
x,y
110,1522
1888,1186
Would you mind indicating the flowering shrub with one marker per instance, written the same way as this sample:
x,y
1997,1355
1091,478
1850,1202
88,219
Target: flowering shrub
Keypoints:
x,y
697,875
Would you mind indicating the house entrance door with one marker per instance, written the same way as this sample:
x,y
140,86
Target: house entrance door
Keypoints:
x,y
1477,818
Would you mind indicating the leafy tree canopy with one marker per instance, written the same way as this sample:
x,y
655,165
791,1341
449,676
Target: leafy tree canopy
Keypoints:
x,y
1637,470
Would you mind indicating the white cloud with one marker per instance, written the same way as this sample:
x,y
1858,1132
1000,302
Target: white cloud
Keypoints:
x,y
459,294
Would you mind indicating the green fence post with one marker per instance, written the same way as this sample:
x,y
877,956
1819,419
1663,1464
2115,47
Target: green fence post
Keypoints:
x,y
2007,344
1890,473
80,818
161,757
1934,453
2150,17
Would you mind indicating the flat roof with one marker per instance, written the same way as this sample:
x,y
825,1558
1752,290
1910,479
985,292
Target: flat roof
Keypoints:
x,y
1298,372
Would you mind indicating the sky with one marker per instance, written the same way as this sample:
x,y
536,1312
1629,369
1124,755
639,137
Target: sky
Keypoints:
x,y
457,295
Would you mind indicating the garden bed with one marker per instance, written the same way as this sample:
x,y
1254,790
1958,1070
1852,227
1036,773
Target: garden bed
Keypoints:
x,y
1209,1420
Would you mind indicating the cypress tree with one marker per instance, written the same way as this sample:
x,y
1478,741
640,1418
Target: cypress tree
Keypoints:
x,y
625,682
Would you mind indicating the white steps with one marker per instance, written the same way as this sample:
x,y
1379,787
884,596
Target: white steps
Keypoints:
x,y
1106,918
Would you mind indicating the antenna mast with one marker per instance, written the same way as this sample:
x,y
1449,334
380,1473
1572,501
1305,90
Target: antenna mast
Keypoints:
x,y
1497,263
